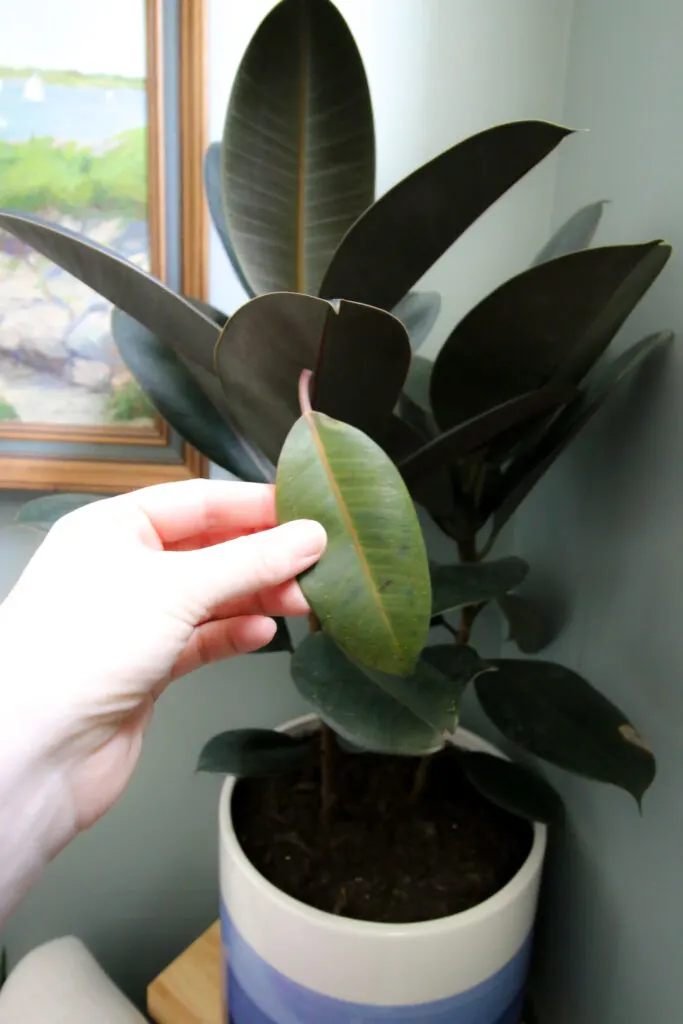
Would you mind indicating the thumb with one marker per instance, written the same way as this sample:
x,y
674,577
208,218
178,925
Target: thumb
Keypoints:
x,y
246,565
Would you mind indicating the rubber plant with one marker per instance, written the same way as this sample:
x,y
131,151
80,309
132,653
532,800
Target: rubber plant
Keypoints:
x,y
315,382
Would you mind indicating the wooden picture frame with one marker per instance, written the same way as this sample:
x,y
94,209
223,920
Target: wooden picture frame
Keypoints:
x,y
112,459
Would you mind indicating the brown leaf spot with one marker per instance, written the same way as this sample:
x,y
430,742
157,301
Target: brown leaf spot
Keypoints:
x,y
628,733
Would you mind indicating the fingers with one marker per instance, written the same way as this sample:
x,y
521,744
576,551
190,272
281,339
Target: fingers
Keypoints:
x,y
179,512
285,599
247,565
214,641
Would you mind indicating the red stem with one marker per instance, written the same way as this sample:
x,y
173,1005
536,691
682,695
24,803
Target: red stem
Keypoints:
x,y
305,392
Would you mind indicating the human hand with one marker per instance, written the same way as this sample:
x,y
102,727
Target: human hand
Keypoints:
x,y
123,596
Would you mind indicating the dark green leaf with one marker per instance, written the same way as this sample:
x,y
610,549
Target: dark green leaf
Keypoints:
x,y
360,356
370,590
513,787
529,1015
42,513
213,188
217,315
417,382
253,753
529,626
434,690
392,245
282,641
3,966
534,328
348,701
192,334
595,339
175,393
473,435
298,147
523,474
454,586
418,312
575,234
555,714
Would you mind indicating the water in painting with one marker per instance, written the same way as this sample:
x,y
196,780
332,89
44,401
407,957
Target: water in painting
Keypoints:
x,y
73,126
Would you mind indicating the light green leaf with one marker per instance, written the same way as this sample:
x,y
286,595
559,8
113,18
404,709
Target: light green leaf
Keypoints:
x,y
370,590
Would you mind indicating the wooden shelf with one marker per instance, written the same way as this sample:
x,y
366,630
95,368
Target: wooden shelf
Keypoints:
x,y
189,990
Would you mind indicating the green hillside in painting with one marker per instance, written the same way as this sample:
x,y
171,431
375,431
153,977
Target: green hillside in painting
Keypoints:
x,y
75,78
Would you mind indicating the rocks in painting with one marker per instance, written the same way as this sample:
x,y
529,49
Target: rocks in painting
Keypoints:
x,y
90,337
89,374
34,336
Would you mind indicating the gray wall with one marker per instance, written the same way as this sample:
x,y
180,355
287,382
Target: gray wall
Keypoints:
x,y
606,532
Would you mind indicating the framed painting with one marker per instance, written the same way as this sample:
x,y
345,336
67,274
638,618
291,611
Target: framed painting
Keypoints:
x,y
103,128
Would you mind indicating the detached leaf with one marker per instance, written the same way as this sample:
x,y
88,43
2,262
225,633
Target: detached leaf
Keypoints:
x,y
555,714
214,199
42,513
434,691
526,470
418,311
192,334
298,146
400,236
575,234
513,787
360,356
455,586
355,707
528,626
370,590
175,393
254,753
548,324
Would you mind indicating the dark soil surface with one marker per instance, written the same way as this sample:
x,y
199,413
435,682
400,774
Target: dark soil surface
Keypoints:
x,y
382,857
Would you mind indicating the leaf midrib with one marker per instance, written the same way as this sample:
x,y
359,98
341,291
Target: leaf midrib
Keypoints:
x,y
348,522
304,82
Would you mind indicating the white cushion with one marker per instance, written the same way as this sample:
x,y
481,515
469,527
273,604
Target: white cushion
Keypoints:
x,y
62,983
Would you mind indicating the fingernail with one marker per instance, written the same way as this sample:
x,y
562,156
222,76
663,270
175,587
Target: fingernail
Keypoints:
x,y
307,538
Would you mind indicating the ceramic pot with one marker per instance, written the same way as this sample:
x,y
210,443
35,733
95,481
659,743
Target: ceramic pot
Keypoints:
x,y
287,963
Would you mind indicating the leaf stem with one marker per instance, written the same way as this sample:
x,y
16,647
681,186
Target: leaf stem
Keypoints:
x,y
305,392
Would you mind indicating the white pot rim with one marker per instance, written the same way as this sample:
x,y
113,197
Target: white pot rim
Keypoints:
x,y
464,919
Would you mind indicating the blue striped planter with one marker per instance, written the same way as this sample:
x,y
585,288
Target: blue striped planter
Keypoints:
x,y
286,963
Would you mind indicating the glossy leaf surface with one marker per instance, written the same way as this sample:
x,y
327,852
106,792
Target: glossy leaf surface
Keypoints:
x,y
213,189
537,328
176,394
360,356
575,234
552,712
418,311
525,472
529,626
254,753
466,583
298,147
434,691
356,708
513,787
404,232
370,590
189,332
460,441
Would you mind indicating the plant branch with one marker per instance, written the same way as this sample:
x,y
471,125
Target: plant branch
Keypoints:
x,y
420,779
